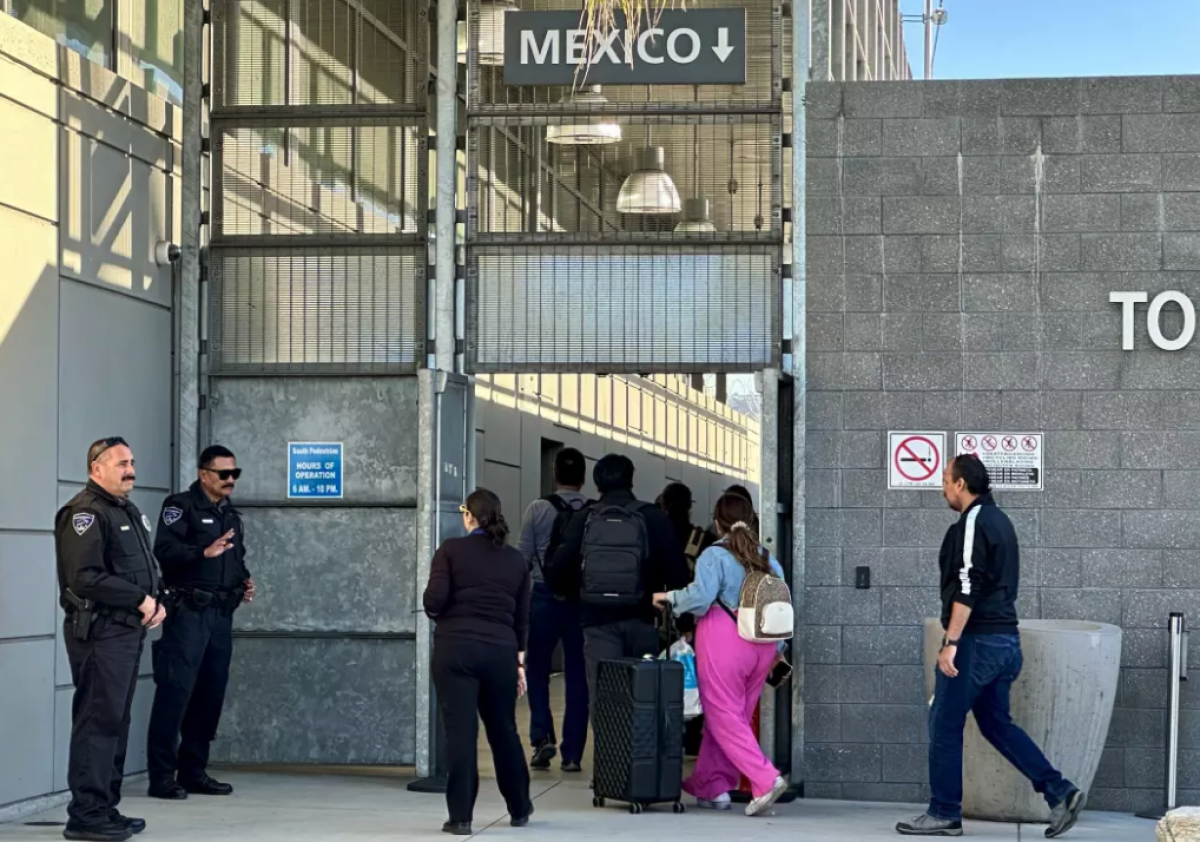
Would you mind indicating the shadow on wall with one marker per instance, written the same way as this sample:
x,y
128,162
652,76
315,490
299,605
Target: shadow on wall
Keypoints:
x,y
85,352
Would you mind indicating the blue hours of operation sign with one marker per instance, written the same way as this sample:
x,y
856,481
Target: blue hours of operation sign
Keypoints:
x,y
315,470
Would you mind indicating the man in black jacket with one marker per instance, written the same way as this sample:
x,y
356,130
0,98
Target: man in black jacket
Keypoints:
x,y
980,658
625,632
108,583
201,548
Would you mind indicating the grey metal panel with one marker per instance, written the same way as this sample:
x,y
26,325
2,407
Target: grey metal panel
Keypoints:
x,y
29,367
339,569
114,209
505,482
62,735
503,436
355,310
114,379
26,719
313,701
623,309
28,594
143,700
375,419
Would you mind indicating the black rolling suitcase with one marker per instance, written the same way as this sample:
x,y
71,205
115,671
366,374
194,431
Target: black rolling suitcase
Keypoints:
x,y
637,727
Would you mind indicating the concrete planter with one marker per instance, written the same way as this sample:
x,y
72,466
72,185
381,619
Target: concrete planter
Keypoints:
x,y
1063,700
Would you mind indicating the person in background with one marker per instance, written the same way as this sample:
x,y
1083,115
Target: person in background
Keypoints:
x,y
552,619
624,631
980,658
731,671
676,501
478,595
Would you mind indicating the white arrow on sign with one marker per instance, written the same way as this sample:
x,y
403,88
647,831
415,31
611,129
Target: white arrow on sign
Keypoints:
x,y
723,50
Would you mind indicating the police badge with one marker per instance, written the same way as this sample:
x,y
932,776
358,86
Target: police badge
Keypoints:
x,y
82,522
171,514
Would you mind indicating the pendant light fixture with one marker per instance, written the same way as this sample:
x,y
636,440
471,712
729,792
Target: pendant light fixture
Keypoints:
x,y
697,211
491,32
649,189
584,134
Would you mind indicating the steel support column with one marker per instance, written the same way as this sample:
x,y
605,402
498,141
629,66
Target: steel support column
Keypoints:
x,y
797,369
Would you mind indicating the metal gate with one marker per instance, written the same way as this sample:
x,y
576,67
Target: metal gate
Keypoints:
x,y
561,278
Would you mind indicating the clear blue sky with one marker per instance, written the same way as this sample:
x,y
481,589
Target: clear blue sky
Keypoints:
x,y
1004,39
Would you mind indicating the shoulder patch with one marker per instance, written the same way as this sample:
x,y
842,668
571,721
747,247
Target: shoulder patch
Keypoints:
x,y
82,522
170,515
146,523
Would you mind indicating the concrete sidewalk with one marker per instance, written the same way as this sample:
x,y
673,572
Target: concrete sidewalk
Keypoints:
x,y
274,807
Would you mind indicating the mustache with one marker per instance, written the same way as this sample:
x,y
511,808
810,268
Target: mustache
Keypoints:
x,y
128,477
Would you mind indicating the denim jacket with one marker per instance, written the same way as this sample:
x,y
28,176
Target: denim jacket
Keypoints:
x,y
718,575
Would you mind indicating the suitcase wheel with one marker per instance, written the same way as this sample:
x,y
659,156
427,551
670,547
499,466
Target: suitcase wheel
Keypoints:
x,y
597,801
635,809
678,807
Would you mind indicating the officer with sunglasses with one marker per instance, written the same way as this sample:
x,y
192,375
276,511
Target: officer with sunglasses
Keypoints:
x,y
201,549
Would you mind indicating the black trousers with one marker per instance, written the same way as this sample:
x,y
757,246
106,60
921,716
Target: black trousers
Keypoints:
x,y
104,670
477,681
191,672
623,639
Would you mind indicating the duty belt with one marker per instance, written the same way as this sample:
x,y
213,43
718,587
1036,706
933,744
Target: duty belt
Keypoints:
x,y
132,619
201,598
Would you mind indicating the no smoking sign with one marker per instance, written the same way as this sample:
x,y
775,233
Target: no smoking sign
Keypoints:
x,y
1014,460
916,459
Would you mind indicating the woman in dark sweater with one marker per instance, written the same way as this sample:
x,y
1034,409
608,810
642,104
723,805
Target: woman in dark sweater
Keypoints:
x,y
478,595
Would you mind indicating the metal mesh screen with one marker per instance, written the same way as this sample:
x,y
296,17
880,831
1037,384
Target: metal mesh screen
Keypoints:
x,y
330,180
320,52
317,311
320,186
521,184
487,93
587,308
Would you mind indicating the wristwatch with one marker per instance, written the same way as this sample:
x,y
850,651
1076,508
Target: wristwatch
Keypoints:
x,y
947,642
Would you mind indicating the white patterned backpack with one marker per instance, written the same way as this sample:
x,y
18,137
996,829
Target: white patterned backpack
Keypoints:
x,y
764,611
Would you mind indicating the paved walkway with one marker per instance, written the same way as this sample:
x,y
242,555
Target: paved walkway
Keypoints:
x,y
275,807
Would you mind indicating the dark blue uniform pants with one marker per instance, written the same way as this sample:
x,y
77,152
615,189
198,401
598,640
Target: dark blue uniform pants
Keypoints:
x,y
987,665
104,670
551,620
191,672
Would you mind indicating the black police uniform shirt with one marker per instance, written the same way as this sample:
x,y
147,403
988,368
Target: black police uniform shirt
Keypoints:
x,y
189,525
102,543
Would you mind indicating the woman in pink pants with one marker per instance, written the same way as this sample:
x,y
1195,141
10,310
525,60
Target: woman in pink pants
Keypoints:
x,y
731,671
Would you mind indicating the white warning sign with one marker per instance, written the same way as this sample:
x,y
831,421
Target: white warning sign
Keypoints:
x,y
915,460
1013,460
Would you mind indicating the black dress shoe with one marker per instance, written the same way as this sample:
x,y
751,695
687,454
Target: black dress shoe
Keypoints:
x,y
167,790
457,828
133,825
521,821
206,786
103,832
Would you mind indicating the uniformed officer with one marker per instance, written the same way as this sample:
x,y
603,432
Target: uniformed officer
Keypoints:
x,y
203,555
108,584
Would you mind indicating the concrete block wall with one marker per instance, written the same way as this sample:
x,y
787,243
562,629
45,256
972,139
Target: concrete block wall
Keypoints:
x,y
963,239
89,182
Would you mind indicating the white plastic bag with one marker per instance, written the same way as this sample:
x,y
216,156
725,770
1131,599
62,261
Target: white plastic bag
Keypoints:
x,y
682,652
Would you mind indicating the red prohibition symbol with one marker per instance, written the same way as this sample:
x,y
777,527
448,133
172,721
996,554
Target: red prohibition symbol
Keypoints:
x,y
1029,443
989,443
968,442
1010,443
911,464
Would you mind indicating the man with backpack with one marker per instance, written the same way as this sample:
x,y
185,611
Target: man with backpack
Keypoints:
x,y
552,619
614,557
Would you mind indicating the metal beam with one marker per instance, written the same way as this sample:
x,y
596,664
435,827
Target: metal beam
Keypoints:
x,y
797,368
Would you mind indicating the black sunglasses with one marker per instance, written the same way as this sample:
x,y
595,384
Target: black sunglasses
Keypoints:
x,y
228,473
105,444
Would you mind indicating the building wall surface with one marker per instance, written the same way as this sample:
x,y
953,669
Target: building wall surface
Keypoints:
x,y
963,239
88,184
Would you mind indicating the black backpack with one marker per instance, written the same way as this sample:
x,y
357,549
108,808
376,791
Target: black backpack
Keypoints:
x,y
565,511
616,548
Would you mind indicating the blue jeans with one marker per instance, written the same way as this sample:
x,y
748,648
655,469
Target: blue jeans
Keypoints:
x,y
552,620
987,664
